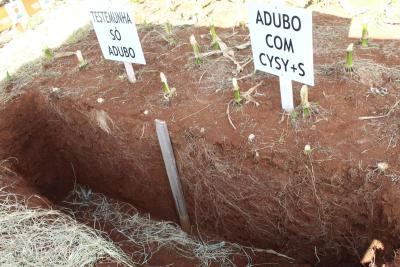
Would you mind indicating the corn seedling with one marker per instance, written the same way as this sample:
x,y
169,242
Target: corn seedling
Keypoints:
x,y
304,101
168,92
294,115
173,5
349,58
147,25
168,28
196,50
164,83
251,138
48,53
214,38
364,36
239,99
168,33
236,92
8,77
382,167
308,108
82,62
307,150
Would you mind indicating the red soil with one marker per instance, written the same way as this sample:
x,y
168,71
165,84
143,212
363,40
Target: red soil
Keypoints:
x,y
322,209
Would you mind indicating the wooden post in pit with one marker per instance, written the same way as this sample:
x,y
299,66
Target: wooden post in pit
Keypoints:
x,y
130,72
172,172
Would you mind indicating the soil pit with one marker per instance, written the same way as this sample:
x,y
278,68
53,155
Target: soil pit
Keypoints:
x,y
322,208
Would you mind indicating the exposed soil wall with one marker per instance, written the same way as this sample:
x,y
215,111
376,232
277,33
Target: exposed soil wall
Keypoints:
x,y
57,142
267,202
31,129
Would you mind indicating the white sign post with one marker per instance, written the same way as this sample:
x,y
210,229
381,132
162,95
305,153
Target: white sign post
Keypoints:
x,y
130,72
118,37
281,39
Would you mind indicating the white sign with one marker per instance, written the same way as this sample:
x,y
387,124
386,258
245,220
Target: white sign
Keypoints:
x,y
117,35
281,39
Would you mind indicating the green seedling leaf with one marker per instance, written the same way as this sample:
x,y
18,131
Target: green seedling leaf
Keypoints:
x,y
349,58
8,77
169,36
168,28
196,50
304,101
83,65
207,4
168,92
237,98
294,115
164,83
49,54
82,62
214,38
365,36
242,25
306,111
174,8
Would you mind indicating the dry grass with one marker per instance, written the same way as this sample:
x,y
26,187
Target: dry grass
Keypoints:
x,y
103,120
295,205
366,71
326,38
299,120
149,236
20,78
46,237
373,74
29,71
79,34
385,124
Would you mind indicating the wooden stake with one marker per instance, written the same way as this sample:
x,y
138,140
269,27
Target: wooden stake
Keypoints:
x,y
172,172
286,94
130,72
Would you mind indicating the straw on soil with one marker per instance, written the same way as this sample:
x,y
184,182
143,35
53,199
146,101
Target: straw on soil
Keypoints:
x,y
46,237
150,236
